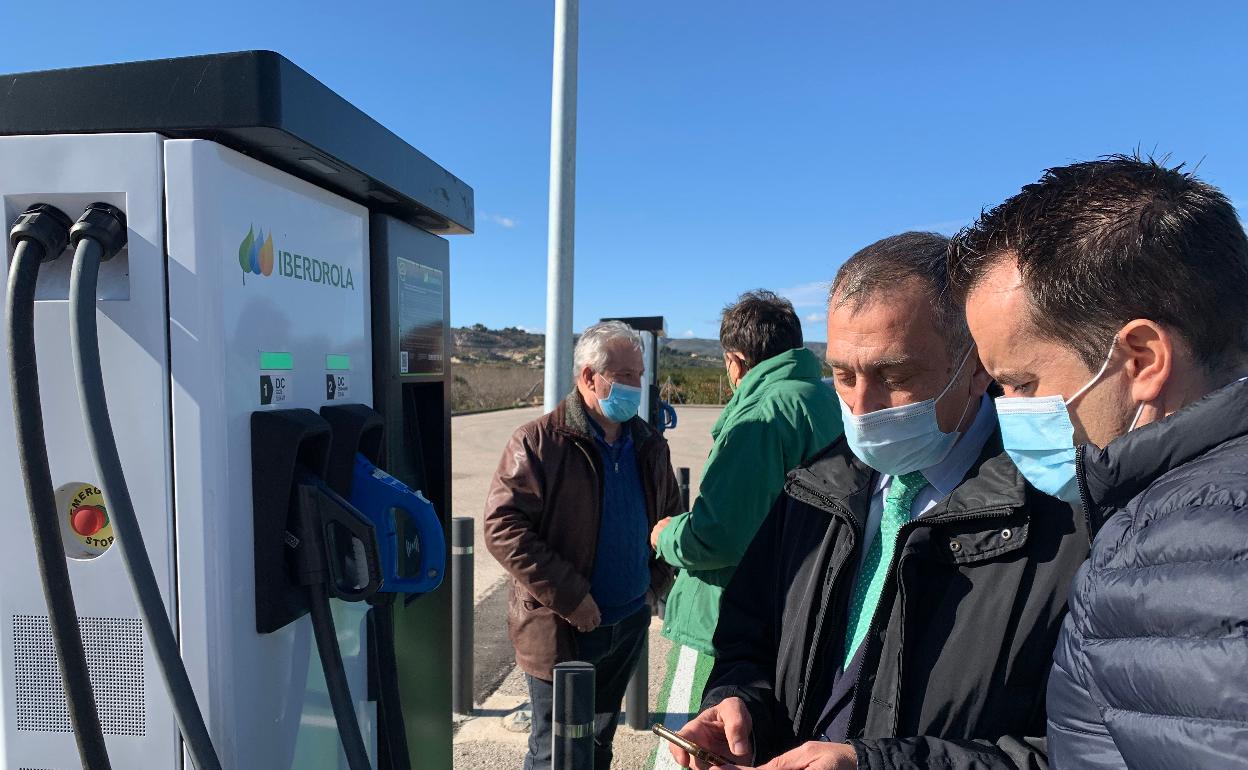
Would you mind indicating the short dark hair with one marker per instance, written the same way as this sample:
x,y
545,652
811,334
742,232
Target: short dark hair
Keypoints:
x,y
893,260
760,325
1105,241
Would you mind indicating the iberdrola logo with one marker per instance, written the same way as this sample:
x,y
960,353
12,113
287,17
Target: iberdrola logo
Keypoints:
x,y
255,253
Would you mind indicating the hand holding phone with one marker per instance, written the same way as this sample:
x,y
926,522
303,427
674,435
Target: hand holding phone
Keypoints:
x,y
689,747
723,731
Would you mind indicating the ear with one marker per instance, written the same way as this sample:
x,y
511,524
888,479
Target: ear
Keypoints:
x,y
980,378
1150,350
586,377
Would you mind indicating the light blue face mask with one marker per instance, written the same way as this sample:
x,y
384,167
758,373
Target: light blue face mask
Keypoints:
x,y
902,439
1040,438
621,403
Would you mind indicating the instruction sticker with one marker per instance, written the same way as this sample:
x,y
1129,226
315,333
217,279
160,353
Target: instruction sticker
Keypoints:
x,y
274,389
337,386
422,319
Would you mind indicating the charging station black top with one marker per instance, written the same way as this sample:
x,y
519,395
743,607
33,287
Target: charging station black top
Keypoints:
x,y
256,102
647,323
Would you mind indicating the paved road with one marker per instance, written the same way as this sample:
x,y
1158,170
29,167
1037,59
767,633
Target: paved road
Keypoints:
x,y
477,443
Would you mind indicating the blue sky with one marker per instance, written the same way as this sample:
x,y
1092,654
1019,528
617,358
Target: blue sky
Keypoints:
x,y
723,145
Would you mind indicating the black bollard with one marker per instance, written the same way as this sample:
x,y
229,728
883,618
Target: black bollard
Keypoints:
x,y
573,717
461,615
683,475
637,696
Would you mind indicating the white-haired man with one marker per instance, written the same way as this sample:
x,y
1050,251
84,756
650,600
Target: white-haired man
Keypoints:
x,y
569,515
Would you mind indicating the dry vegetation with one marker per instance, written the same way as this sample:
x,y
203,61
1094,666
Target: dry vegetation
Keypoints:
x,y
499,369
478,386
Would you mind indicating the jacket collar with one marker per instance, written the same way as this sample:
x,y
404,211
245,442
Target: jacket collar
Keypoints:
x,y
1130,463
795,364
834,480
573,418
838,479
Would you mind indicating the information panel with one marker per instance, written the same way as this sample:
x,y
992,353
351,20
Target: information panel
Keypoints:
x,y
421,319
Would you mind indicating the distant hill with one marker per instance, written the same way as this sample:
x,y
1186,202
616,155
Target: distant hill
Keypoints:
x,y
694,346
479,344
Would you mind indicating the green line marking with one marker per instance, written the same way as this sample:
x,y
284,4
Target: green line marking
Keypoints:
x,y
276,360
338,363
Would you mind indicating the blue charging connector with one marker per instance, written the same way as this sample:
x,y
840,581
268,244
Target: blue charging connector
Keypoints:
x,y
409,533
667,417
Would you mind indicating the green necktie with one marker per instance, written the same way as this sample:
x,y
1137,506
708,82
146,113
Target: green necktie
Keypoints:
x,y
901,494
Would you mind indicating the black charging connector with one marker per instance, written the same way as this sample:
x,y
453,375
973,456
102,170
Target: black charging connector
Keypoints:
x,y
103,223
334,544
335,556
358,430
311,545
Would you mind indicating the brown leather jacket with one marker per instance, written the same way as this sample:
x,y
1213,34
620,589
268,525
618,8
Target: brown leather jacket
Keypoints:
x,y
541,523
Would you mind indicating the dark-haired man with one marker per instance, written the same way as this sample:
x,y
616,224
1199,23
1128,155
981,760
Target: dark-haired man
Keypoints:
x,y
899,606
780,414
1110,300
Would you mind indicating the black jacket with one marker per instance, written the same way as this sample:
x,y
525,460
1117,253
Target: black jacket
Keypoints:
x,y
996,556
1151,669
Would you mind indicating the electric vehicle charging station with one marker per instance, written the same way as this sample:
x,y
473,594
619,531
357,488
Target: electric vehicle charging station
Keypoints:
x,y
273,339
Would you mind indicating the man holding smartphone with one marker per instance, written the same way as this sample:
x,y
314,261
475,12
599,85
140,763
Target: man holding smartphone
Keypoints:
x,y
900,605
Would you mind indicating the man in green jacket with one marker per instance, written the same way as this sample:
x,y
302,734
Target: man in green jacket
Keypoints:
x,y
780,415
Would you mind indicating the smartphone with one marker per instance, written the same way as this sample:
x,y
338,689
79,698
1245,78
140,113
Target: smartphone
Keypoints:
x,y
689,746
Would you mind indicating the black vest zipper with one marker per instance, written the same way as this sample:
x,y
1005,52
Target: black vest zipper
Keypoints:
x,y
1081,481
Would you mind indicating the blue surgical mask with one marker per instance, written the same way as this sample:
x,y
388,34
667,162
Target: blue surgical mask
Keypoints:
x,y
1040,438
902,439
621,403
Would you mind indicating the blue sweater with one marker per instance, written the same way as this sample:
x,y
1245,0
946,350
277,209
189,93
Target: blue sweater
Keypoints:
x,y
622,563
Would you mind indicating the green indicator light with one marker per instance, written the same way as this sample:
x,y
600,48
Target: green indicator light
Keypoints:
x,y
276,361
337,362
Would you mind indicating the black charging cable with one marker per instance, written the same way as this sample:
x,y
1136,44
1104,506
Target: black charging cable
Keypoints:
x,y
97,237
335,554
389,699
39,235
336,678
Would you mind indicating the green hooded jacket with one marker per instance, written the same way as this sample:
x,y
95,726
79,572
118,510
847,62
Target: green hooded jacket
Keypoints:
x,y
781,415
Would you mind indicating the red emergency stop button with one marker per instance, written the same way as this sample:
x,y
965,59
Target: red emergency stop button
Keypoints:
x,y
88,519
